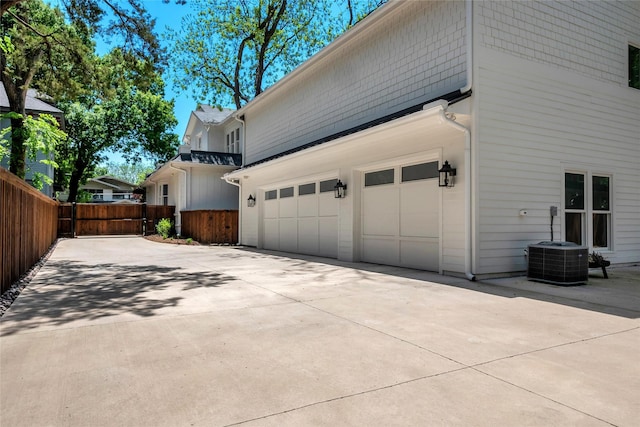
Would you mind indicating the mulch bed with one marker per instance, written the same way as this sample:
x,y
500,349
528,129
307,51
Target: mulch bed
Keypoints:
x,y
171,240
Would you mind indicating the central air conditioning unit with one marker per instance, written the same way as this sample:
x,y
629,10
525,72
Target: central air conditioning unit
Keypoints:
x,y
559,263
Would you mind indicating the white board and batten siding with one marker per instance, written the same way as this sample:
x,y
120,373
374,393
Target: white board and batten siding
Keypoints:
x,y
545,107
415,54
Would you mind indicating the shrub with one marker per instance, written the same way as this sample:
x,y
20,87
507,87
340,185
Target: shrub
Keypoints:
x,y
164,227
189,241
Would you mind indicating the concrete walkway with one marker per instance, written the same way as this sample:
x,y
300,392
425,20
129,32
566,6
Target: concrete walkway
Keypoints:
x,y
127,332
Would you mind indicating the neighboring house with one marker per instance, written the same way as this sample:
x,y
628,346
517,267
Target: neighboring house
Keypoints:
x,y
34,106
531,102
108,189
212,147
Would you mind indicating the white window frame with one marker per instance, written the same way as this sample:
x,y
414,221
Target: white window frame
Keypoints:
x,y
164,196
233,141
587,213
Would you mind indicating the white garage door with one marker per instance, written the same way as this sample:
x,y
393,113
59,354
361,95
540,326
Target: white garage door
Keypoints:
x,y
302,218
401,216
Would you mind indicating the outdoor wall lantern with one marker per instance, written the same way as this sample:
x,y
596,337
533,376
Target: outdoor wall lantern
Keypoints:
x,y
339,190
446,175
251,201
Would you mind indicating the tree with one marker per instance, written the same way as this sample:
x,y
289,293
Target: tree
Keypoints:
x,y
129,21
232,50
37,41
132,122
42,136
57,53
134,173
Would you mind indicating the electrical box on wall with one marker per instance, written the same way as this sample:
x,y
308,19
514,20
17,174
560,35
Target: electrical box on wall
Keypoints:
x,y
553,210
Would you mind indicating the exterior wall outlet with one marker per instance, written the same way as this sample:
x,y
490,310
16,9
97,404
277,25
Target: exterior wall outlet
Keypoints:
x,y
524,212
553,210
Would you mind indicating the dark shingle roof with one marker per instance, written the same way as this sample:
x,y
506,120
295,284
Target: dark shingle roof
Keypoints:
x,y
211,158
33,104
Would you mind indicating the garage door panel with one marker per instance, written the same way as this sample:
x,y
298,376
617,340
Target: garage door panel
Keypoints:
x,y
307,206
328,236
381,251
288,234
288,208
271,234
302,221
380,209
308,235
419,213
328,205
271,209
423,254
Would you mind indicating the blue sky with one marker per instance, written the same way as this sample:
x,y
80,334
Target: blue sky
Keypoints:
x,y
168,15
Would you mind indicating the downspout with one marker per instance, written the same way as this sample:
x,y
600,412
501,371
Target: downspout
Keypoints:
x,y
155,190
468,194
468,242
181,194
237,184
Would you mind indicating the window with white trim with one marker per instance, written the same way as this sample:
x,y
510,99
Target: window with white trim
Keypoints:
x,y
587,213
165,194
233,141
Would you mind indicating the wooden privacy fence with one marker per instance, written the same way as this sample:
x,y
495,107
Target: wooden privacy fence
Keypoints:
x,y
90,219
210,226
28,227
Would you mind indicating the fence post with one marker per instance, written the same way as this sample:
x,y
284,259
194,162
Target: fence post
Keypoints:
x,y
144,219
73,220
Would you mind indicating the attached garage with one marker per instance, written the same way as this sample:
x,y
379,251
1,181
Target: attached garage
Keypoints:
x,y
302,218
401,216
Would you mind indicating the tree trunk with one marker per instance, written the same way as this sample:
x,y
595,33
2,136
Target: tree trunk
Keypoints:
x,y
17,162
74,182
17,101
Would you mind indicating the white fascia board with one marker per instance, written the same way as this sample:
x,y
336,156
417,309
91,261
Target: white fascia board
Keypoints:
x,y
336,44
190,126
434,113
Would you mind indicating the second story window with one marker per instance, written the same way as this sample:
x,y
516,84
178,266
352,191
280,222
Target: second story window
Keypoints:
x,y
165,194
233,141
634,67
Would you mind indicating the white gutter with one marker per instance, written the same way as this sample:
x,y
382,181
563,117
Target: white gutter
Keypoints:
x,y
468,195
181,194
240,209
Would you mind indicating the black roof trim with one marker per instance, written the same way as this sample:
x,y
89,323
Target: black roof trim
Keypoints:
x,y
211,158
451,97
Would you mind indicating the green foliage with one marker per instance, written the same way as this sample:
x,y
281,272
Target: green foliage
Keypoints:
x,y
41,135
164,227
45,49
134,173
233,50
189,241
84,197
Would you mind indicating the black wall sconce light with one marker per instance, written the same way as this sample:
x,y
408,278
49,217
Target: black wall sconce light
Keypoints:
x,y
339,190
446,175
251,201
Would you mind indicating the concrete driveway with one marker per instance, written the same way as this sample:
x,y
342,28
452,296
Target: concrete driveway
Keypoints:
x,y
127,332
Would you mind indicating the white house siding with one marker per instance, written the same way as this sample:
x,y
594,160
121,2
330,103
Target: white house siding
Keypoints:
x,y
414,54
551,95
418,138
209,191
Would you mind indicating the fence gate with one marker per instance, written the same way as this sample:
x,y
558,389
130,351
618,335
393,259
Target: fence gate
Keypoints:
x,y
91,219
